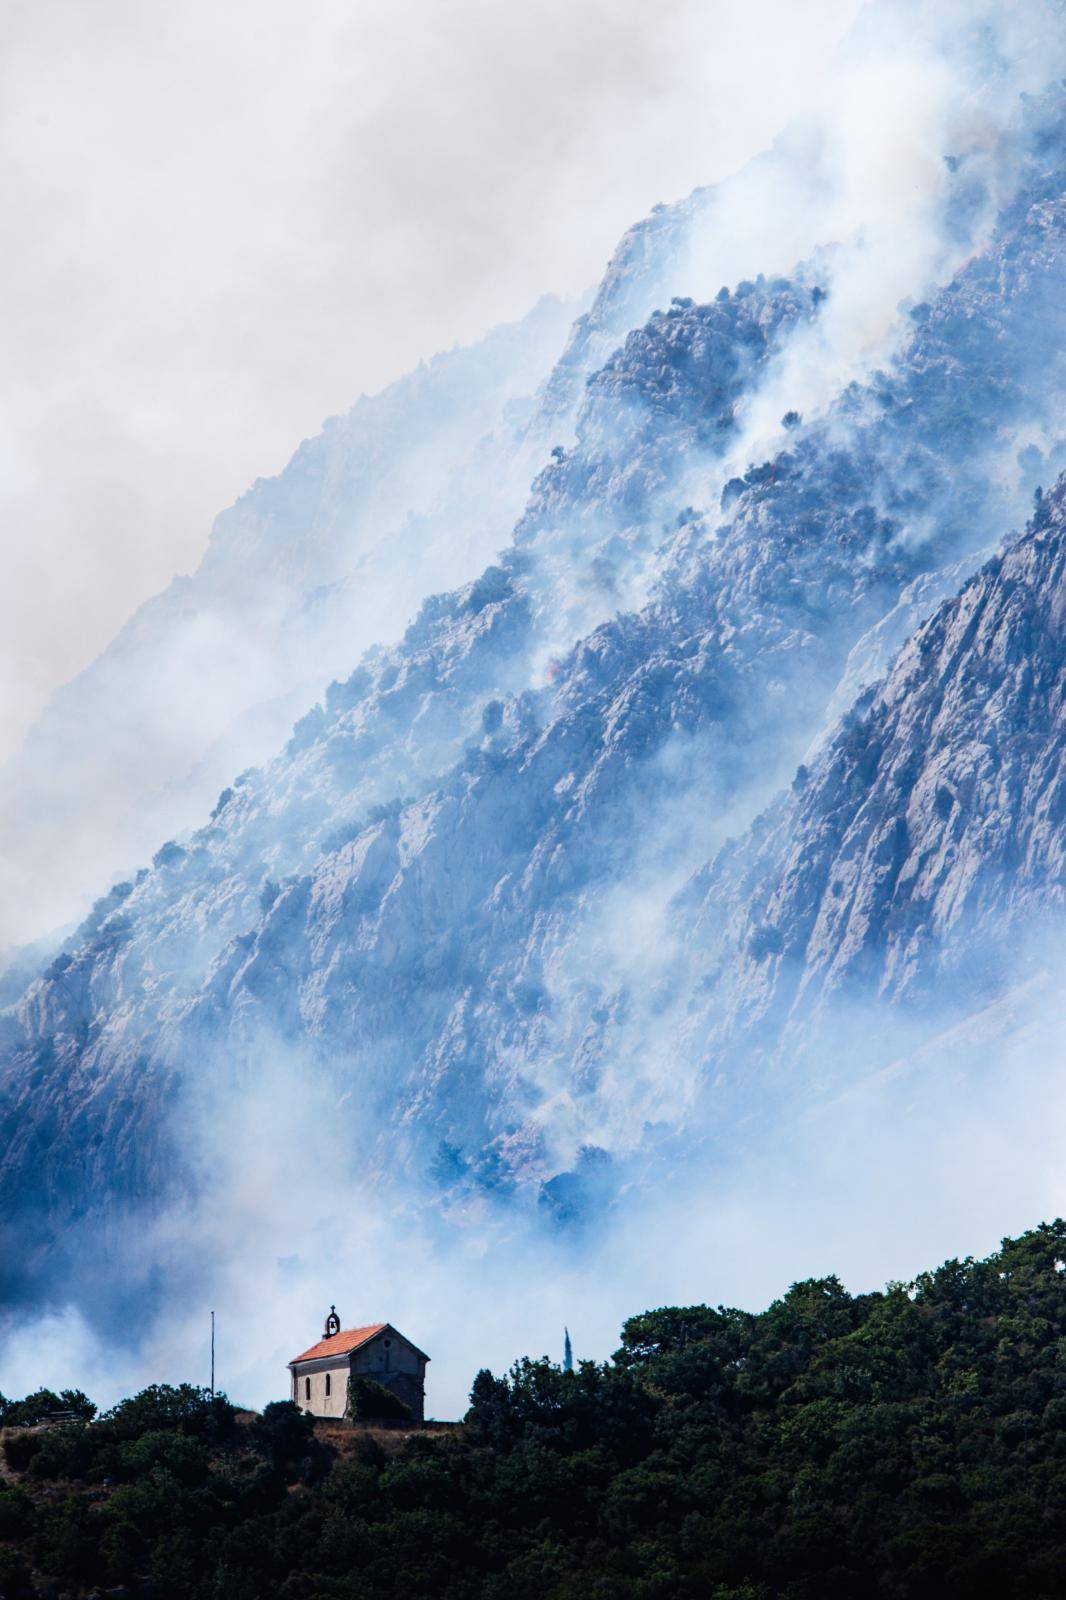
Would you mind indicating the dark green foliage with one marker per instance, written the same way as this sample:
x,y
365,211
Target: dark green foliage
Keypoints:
x,y
64,1540
368,1400
908,1445
15,1583
283,1433
567,1412
191,1410
16,1515
43,1405
20,1449
63,1452
184,1459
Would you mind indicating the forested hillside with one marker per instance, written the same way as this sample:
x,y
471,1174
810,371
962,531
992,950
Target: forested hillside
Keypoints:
x,y
909,1443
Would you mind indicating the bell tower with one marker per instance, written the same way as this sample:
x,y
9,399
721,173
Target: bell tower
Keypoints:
x,y
333,1323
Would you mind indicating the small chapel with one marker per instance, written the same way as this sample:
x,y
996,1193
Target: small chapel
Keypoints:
x,y
378,1351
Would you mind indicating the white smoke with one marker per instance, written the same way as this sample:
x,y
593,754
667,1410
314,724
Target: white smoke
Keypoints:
x,y
940,1157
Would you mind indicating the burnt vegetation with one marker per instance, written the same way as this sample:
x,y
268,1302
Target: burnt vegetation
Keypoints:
x,y
909,1443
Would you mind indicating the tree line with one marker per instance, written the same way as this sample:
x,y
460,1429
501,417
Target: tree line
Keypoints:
x,y
907,1444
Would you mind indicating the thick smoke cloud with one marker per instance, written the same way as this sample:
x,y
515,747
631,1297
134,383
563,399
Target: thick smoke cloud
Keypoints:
x,y
942,1155
225,222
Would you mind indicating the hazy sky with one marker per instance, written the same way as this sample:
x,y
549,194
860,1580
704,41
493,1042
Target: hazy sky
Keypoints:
x,y
223,222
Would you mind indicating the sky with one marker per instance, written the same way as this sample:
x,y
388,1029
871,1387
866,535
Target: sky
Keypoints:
x,y
225,222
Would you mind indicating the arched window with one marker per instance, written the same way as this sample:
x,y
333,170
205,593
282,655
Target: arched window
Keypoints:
x,y
307,1388
327,1385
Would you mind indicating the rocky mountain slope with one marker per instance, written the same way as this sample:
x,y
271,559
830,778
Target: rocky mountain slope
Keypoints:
x,y
448,904
920,861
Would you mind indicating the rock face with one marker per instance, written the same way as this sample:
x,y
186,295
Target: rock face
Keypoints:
x,y
449,902
917,859
166,963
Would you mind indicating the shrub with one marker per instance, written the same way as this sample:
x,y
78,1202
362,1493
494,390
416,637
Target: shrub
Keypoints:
x,y
64,1541
43,1404
20,1449
368,1400
168,855
16,1515
191,1410
283,1433
121,1549
177,1453
62,1453
15,1582
765,941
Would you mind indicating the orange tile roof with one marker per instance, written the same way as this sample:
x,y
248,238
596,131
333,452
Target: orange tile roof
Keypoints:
x,y
339,1344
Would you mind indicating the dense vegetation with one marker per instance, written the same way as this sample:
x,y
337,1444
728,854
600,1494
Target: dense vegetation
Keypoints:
x,y
910,1443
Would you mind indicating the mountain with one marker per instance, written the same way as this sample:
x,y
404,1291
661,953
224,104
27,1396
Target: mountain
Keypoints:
x,y
457,909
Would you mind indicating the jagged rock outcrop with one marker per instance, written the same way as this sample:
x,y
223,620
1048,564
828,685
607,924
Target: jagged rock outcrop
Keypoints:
x,y
148,977
921,862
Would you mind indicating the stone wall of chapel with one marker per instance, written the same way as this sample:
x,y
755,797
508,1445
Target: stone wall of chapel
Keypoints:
x,y
313,1374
